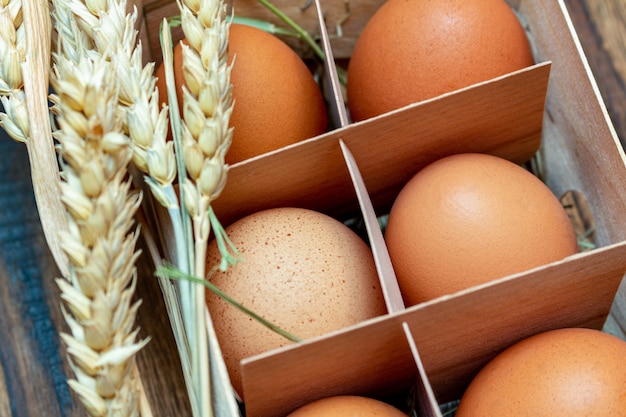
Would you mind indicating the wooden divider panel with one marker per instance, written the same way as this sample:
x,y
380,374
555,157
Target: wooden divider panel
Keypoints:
x,y
426,402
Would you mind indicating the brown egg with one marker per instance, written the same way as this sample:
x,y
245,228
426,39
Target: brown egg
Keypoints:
x,y
277,101
302,270
414,50
470,218
347,406
559,373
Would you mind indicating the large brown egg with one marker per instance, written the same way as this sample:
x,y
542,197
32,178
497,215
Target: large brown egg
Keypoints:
x,y
470,218
412,50
560,373
302,270
347,406
277,101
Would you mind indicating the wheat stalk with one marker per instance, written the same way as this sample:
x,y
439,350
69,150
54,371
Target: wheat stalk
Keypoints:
x,y
100,247
95,154
108,28
105,28
201,140
207,106
111,31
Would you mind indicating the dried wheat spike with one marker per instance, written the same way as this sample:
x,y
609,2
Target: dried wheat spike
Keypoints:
x,y
100,243
207,105
206,136
207,100
14,119
111,31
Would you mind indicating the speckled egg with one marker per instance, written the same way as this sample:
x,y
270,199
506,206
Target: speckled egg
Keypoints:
x,y
467,219
302,270
412,50
347,406
571,372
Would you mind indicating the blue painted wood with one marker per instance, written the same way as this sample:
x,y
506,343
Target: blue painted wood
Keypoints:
x,y
30,352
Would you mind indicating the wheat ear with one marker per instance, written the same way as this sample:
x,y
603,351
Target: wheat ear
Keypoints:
x,y
202,141
95,154
110,29
99,243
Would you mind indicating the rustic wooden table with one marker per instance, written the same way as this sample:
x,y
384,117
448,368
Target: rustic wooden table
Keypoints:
x,y
33,368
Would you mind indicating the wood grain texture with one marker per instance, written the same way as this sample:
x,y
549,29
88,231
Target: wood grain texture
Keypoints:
x,y
33,367
601,28
30,352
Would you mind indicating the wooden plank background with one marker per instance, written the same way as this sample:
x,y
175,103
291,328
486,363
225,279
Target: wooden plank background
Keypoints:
x,y
33,367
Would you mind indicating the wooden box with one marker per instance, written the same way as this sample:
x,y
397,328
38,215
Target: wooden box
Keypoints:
x,y
357,170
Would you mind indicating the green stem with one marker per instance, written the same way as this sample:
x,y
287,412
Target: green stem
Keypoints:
x,y
264,26
175,274
184,243
185,289
449,412
176,126
229,252
303,34
202,346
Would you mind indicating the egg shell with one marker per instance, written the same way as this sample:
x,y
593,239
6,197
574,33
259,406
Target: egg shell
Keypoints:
x,y
470,218
571,372
277,102
347,406
302,270
412,50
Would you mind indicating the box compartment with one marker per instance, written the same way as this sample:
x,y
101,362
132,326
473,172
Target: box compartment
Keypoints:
x,y
552,111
